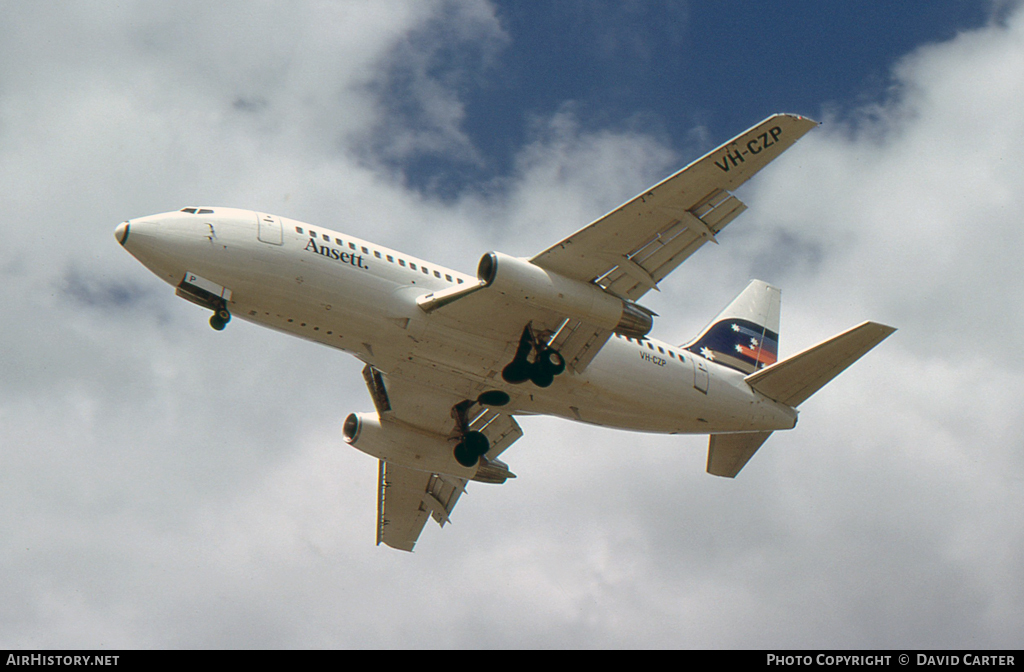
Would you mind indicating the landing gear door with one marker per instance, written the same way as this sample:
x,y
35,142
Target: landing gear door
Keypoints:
x,y
270,230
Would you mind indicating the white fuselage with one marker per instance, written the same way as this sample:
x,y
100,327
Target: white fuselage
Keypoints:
x,y
315,283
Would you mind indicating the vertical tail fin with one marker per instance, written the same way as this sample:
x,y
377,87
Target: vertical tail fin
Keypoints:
x,y
744,336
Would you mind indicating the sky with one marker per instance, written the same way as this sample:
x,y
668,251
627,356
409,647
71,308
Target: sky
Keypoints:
x,y
163,485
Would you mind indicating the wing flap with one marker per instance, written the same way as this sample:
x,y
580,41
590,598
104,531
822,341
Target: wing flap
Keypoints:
x,y
681,238
579,343
718,209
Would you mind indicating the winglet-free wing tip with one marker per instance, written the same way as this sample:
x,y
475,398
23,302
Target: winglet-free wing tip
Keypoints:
x,y
798,117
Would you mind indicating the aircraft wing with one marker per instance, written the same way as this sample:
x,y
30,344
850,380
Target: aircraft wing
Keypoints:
x,y
631,249
406,498
423,398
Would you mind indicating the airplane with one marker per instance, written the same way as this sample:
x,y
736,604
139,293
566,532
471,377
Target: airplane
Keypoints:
x,y
451,358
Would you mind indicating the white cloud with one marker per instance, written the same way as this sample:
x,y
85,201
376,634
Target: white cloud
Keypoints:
x,y
168,486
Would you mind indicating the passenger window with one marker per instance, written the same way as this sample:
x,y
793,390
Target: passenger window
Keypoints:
x,y
352,245
401,262
312,234
412,266
425,271
436,274
448,278
460,281
365,251
376,254
391,259
661,350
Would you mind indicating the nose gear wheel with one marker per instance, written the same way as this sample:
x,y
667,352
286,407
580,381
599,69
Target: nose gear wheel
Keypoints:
x,y
220,318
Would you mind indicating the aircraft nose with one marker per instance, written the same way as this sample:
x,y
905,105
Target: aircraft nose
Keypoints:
x,y
121,232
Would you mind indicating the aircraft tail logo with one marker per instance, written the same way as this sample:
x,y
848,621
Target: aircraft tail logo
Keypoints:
x,y
744,336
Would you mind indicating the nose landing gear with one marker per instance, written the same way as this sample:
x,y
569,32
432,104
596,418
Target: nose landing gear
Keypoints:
x,y
207,294
220,318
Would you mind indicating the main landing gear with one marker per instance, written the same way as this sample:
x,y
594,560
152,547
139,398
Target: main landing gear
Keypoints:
x,y
547,362
220,318
472,444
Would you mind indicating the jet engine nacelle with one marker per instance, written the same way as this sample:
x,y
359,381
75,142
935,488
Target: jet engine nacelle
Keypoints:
x,y
403,445
523,281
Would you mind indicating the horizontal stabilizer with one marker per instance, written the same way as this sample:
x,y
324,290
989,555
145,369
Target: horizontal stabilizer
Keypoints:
x,y
793,380
728,453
